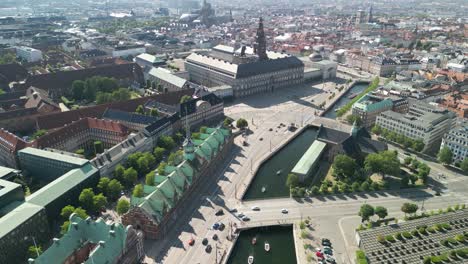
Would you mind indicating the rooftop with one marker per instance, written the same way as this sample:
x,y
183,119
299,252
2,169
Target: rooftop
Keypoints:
x,y
17,217
54,156
309,158
167,76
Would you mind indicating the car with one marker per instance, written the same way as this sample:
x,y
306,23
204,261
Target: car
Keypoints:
x,y
240,215
215,226
221,227
271,129
205,241
255,208
215,237
330,259
191,242
407,153
328,251
245,218
284,211
260,139
208,248
326,242
219,212
122,193
233,210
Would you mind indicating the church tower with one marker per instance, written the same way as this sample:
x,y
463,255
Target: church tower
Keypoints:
x,y
370,17
261,42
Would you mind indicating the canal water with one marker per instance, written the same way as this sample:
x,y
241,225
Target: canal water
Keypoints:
x,y
281,242
284,160
356,89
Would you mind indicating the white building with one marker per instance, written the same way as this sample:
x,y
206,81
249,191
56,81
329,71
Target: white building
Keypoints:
x,y
457,141
222,91
28,54
430,127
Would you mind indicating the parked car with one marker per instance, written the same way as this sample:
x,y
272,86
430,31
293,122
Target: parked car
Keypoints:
x,y
284,211
191,242
240,215
208,249
326,242
245,218
233,210
215,226
221,227
215,237
219,212
205,241
328,251
255,208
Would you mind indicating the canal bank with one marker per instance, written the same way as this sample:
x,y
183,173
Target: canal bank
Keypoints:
x,y
354,88
268,180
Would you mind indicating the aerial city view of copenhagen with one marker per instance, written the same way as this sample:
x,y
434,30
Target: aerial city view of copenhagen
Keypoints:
x,y
233,132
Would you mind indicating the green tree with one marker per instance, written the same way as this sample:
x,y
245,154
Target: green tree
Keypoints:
x,y
365,186
409,208
86,199
385,162
158,153
122,94
98,147
381,212
130,177
366,212
203,129
241,123
404,181
354,118
78,88
80,152
464,165
376,129
407,160
314,190
228,121
114,188
119,172
103,185
99,201
343,166
138,190
102,98
132,159
64,227
154,112
67,211
81,213
140,110
166,142
34,252
122,206
8,58
185,98
292,180
149,180
355,187
445,155
161,168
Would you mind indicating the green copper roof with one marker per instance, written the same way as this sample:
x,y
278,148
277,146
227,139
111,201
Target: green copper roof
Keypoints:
x,y
17,217
369,106
53,156
110,240
309,158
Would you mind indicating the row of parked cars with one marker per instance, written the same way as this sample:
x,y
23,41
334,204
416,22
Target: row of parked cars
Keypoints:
x,y
325,254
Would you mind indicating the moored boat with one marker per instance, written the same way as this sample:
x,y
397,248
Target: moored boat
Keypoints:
x,y
250,260
254,241
267,246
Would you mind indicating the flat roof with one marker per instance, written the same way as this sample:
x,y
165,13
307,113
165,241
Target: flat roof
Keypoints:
x,y
18,216
7,186
5,171
61,185
309,158
54,156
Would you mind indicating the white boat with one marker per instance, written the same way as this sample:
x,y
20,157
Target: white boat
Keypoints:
x,y
278,172
267,247
263,189
250,260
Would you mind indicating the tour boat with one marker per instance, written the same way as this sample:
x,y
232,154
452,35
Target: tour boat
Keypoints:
x,y
278,172
352,96
254,241
263,189
267,247
250,260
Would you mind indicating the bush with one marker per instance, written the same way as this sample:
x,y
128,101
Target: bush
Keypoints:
x,y
398,236
361,257
452,241
444,243
390,238
460,238
407,235
381,239
431,229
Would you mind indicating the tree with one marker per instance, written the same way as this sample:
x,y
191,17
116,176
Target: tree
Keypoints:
x,y
343,166
67,211
34,252
355,186
114,189
103,185
81,213
119,172
86,199
102,98
366,212
122,94
185,98
314,190
354,118
203,129
445,155
80,152
78,88
381,212
385,162
64,227
149,180
464,165
99,201
138,190
418,145
122,206
175,158
409,208
132,159
140,110
407,160
241,123
158,153
404,181
292,180
166,142
130,177
162,168
98,147
154,112
8,58
228,121
365,186
376,130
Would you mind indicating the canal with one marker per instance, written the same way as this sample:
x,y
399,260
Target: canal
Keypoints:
x,y
284,160
356,89
281,242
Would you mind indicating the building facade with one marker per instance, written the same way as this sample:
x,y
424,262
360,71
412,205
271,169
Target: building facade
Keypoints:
x,y
371,105
457,141
29,54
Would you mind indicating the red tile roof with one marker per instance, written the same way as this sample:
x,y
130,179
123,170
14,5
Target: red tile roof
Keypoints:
x,y
11,141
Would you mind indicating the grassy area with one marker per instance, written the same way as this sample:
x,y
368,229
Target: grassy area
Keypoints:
x,y
347,107
134,95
